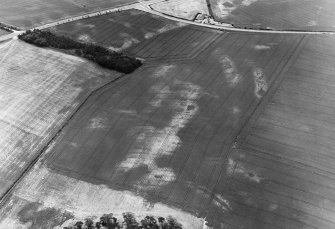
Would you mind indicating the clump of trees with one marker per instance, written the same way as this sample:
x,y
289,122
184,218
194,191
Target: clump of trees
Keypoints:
x,y
107,221
101,55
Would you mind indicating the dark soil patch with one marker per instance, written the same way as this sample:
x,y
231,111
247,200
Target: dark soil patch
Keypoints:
x,y
45,218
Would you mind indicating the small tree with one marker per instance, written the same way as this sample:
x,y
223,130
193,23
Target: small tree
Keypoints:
x,y
89,223
149,222
162,222
106,219
130,221
98,225
78,225
173,223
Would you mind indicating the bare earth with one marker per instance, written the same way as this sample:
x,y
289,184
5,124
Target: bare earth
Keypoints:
x,y
182,9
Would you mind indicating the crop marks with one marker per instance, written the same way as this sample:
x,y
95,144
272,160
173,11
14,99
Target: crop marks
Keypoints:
x,y
117,31
285,162
166,130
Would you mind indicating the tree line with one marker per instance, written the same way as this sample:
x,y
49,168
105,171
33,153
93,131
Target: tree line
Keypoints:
x,y
101,55
107,221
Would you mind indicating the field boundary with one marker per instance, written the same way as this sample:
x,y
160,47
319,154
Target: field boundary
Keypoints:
x,y
52,138
192,57
146,7
149,9
249,123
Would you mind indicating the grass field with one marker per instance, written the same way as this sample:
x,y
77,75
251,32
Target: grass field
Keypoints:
x,y
163,132
286,14
39,90
31,13
117,31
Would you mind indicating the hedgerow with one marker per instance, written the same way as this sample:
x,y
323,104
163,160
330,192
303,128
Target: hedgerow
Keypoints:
x,y
107,221
8,28
101,55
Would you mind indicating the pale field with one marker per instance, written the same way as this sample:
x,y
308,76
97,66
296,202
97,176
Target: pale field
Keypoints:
x,y
39,90
182,9
62,195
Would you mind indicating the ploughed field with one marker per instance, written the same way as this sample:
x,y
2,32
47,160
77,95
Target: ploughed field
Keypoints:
x,y
315,15
288,149
27,14
117,31
40,89
167,130
3,32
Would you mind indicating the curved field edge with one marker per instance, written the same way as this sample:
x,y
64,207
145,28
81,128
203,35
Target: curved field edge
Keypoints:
x,y
257,14
293,15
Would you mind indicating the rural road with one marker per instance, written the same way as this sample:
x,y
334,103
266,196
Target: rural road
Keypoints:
x,y
146,6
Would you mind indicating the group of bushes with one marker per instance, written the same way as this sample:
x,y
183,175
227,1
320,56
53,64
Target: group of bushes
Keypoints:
x,y
102,56
107,221
8,28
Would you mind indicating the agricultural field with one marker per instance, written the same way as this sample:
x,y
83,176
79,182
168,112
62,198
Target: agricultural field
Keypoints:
x,y
40,89
27,14
3,32
157,141
117,31
288,149
315,15
230,128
